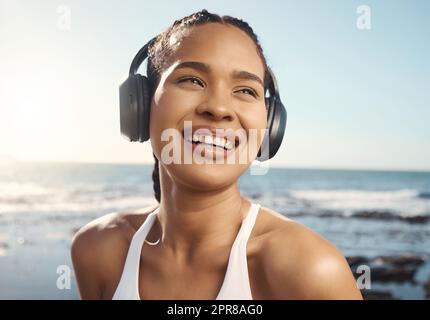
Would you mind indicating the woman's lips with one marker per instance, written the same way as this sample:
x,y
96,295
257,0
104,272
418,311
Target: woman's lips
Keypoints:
x,y
207,151
212,142
224,133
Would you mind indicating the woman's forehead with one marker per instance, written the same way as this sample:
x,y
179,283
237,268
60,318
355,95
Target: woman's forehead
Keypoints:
x,y
219,45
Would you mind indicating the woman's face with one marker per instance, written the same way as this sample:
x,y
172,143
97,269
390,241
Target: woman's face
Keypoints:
x,y
220,89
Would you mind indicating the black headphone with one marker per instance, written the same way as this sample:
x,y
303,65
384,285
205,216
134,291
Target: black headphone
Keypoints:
x,y
135,104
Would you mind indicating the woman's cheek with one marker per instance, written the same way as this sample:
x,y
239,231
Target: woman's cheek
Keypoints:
x,y
255,123
165,117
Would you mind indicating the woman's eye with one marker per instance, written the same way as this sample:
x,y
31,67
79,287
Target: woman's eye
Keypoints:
x,y
248,91
193,80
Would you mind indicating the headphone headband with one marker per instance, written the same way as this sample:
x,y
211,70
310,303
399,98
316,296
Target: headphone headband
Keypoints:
x,y
140,57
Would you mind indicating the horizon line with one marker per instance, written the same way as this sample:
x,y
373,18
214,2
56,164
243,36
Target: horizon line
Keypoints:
x,y
287,167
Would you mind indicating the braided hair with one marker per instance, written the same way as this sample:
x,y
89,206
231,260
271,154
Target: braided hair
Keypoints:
x,y
161,50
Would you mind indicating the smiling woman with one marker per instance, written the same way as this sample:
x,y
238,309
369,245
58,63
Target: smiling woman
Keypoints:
x,y
205,240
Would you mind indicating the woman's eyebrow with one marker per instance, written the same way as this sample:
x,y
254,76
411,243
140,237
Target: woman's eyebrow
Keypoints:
x,y
245,75
203,67
200,66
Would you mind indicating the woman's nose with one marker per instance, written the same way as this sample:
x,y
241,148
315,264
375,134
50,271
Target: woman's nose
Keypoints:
x,y
217,107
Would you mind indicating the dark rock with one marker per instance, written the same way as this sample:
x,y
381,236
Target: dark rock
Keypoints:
x,y
379,215
389,268
330,214
355,261
388,216
424,195
416,219
383,274
401,261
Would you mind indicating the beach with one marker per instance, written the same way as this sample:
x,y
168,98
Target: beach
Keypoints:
x,y
379,219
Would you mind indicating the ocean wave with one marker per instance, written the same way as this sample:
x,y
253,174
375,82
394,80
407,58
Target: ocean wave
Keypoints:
x,y
424,195
356,195
17,189
403,202
88,197
369,215
114,204
34,197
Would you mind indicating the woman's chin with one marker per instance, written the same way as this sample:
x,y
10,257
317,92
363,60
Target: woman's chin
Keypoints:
x,y
207,176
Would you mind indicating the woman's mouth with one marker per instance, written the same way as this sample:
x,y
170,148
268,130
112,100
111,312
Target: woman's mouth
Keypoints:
x,y
218,142
211,146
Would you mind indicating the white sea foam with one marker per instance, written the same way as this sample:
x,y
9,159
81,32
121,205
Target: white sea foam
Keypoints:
x,y
17,189
68,207
403,202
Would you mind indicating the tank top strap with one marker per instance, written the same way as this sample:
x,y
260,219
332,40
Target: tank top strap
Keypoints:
x,y
249,222
236,281
127,285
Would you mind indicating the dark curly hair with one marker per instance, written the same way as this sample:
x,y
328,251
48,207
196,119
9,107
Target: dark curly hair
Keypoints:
x,y
160,51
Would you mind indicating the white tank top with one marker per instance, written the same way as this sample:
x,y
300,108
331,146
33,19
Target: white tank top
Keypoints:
x,y
236,282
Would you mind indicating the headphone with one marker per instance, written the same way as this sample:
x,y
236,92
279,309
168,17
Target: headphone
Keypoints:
x,y
135,104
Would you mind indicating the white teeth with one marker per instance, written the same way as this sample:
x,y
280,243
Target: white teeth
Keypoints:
x,y
210,140
229,145
219,142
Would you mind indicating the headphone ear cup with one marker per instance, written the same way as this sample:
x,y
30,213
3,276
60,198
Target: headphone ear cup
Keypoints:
x,y
276,123
145,108
263,153
277,128
129,107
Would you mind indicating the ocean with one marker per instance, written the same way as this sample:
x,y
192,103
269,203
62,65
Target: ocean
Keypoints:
x,y
366,214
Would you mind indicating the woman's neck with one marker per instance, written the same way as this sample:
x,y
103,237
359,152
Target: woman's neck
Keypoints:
x,y
193,220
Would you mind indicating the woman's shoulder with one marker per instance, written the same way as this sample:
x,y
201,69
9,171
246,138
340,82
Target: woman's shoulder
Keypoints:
x,y
115,226
298,263
100,247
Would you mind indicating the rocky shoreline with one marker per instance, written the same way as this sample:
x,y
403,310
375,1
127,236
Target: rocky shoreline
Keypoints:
x,y
390,269
368,215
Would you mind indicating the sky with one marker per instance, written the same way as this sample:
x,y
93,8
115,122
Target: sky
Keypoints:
x,y
356,98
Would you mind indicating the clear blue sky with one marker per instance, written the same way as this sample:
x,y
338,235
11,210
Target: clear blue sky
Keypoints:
x,y
355,98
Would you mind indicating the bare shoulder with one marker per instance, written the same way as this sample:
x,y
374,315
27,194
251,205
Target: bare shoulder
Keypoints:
x,y
99,250
298,263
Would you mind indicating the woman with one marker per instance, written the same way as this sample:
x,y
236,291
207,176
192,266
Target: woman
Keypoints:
x,y
205,240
